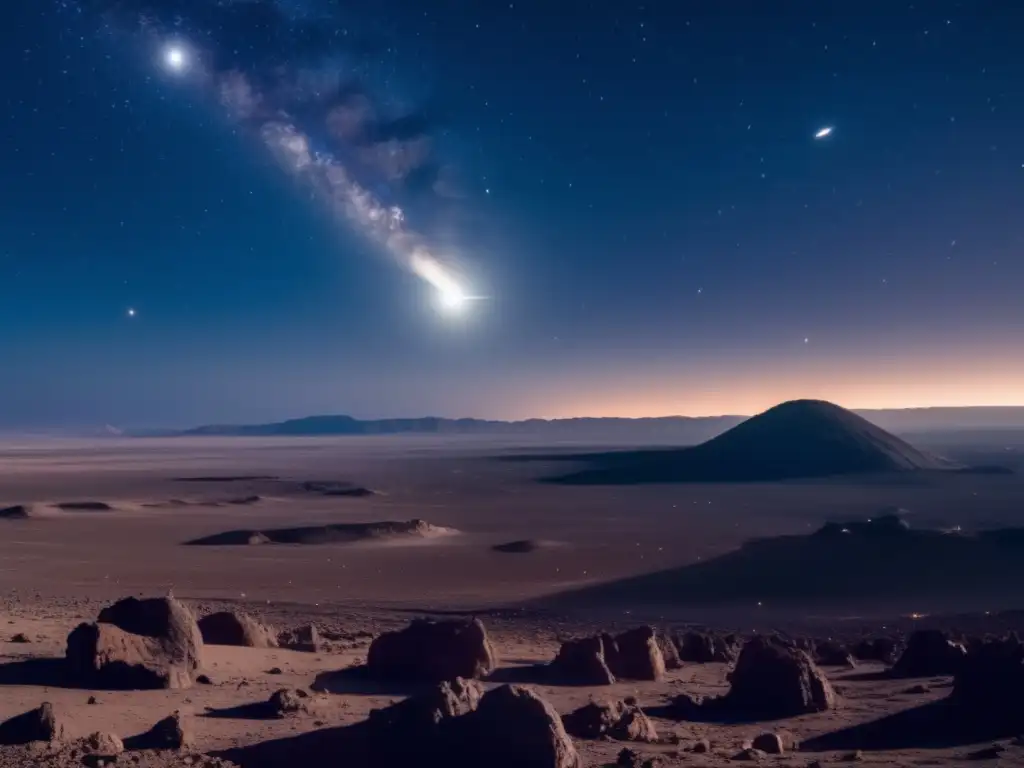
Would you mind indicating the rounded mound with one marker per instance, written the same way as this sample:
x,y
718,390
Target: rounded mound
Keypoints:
x,y
522,546
344,533
84,506
18,512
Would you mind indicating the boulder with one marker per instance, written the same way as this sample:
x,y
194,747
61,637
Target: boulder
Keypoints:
x,y
287,701
174,732
152,643
582,662
775,680
105,656
512,727
305,638
612,719
638,656
669,652
230,628
433,651
830,653
770,743
988,684
882,649
419,719
39,724
705,648
103,744
929,653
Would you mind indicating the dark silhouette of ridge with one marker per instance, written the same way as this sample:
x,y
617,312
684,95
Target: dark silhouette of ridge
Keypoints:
x,y
686,429
841,564
797,439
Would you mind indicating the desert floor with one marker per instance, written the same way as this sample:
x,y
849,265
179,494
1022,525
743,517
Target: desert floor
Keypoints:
x,y
59,567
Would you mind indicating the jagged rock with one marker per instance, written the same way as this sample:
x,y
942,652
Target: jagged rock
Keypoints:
x,y
174,732
513,727
39,724
638,656
669,652
881,649
929,653
417,719
287,701
705,648
230,628
775,680
433,651
21,637
614,719
152,643
103,744
832,654
305,638
769,743
772,680
582,662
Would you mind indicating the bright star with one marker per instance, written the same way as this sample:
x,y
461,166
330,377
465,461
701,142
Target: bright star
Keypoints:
x,y
131,312
452,301
175,58
824,132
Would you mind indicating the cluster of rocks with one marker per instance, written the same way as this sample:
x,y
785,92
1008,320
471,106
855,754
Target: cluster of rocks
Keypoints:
x,y
706,647
43,724
241,629
602,659
618,720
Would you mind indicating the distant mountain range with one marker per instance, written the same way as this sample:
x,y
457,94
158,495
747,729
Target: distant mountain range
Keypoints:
x,y
683,429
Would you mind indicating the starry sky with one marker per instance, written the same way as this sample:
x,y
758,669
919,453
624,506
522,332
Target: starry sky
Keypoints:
x,y
244,211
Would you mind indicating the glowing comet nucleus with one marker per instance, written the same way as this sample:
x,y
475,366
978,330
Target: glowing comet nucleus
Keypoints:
x,y
175,58
824,132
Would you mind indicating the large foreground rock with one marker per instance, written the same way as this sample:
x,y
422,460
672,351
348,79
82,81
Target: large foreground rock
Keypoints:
x,y
989,682
514,727
772,680
775,680
456,724
230,628
39,724
612,719
433,651
152,643
929,652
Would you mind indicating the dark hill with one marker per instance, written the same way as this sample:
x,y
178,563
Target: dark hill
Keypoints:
x,y
797,439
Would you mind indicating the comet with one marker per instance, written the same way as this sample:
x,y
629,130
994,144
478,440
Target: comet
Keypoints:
x,y
824,132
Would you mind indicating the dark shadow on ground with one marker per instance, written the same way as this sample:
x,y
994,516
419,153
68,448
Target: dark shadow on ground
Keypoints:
x,y
529,674
839,565
358,681
257,710
348,745
50,673
936,725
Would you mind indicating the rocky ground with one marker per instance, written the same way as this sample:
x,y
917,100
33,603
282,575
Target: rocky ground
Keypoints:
x,y
227,720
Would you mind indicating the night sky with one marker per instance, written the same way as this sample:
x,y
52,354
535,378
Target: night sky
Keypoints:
x,y
245,211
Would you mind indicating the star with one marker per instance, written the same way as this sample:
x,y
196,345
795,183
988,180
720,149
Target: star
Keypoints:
x,y
175,58
131,312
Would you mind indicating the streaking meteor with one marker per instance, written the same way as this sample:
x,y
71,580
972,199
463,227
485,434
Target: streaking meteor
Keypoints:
x,y
824,132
